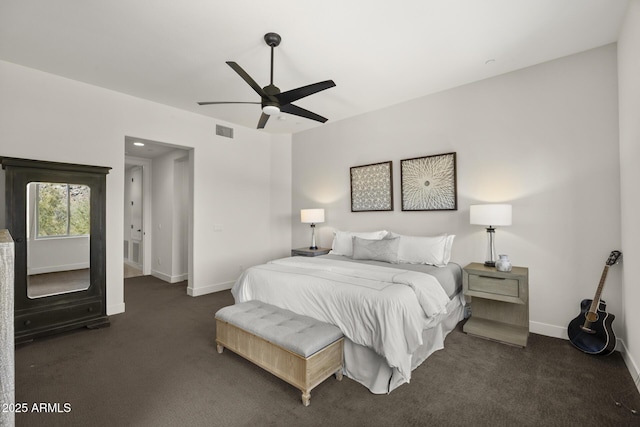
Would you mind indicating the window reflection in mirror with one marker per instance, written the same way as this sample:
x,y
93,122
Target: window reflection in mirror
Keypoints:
x,y
58,235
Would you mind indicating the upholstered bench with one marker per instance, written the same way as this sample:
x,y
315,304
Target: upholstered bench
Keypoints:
x,y
298,349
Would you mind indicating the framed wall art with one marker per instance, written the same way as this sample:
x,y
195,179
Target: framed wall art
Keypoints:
x,y
429,183
372,187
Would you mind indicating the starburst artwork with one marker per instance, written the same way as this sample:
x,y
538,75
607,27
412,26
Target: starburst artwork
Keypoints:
x,y
429,183
372,187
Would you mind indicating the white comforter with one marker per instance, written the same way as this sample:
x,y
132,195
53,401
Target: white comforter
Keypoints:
x,y
378,307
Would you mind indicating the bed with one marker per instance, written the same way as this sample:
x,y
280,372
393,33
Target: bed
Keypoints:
x,y
394,308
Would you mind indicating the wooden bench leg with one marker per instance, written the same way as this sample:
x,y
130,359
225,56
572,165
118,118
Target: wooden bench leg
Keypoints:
x,y
220,348
339,374
306,398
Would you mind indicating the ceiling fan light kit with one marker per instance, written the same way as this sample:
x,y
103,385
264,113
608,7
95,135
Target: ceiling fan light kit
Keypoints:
x,y
272,100
270,110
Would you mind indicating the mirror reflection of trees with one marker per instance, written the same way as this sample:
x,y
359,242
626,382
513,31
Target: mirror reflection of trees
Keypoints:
x,y
62,209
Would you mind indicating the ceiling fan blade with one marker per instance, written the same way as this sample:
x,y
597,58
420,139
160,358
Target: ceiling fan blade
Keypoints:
x,y
226,102
295,94
263,121
247,78
297,111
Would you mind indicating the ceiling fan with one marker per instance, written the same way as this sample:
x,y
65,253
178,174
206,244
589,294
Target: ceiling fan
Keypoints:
x,y
272,100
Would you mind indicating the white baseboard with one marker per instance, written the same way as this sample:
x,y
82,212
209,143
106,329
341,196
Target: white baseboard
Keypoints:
x,y
548,330
632,366
57,268
203,290
180,278
168,278
561,332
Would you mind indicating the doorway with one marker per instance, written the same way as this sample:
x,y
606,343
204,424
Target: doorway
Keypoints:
x,y
157,211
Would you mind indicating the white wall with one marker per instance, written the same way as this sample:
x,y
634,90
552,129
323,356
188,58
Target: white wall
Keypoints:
x,y
181,208
629,87
281,200
544,139
165,248
46,117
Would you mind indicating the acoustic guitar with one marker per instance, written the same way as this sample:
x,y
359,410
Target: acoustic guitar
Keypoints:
x,y
591,331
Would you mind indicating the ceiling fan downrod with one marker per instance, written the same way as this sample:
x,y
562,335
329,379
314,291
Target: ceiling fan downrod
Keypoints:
x,y
273,40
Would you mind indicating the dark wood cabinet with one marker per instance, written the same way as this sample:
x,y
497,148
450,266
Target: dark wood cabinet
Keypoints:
x,y
57,309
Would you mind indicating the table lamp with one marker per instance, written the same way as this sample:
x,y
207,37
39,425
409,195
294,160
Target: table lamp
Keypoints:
x,y
313,217
491,215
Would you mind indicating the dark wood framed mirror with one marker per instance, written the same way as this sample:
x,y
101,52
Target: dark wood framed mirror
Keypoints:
x,y
56,214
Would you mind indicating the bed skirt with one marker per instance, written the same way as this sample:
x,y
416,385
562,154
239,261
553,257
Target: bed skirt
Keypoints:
x,y
365,366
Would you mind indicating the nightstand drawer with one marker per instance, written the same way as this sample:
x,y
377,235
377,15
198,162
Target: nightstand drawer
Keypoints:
x,y
494,285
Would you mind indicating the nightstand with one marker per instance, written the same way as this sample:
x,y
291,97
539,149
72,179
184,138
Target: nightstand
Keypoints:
x,y
499,303
309,252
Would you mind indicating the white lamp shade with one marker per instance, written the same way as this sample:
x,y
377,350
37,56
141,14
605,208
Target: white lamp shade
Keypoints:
x,y
490,214
312,216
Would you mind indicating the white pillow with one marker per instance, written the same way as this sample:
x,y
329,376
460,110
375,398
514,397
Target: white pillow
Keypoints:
x,y
434,250
447,250
343,240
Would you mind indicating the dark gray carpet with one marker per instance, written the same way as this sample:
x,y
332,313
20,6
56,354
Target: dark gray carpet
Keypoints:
x,y
157,366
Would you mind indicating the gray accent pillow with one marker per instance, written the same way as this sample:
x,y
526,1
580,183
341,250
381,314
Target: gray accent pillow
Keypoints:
x,y
385,250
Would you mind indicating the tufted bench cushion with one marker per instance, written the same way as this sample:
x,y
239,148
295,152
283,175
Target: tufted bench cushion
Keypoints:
x,y
298,349
301,334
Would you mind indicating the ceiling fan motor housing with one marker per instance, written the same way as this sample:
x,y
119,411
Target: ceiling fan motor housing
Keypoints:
x,y
270,101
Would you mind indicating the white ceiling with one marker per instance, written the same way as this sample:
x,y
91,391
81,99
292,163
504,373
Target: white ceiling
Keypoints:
x,y
149,149
379,53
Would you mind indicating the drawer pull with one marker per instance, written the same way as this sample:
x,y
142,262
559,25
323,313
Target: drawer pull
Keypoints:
x,y
493,278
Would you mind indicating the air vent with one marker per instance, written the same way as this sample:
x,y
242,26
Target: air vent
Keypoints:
x,y
224,131
136,252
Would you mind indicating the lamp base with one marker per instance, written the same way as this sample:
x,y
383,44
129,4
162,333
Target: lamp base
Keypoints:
x,y
491,248
313,246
